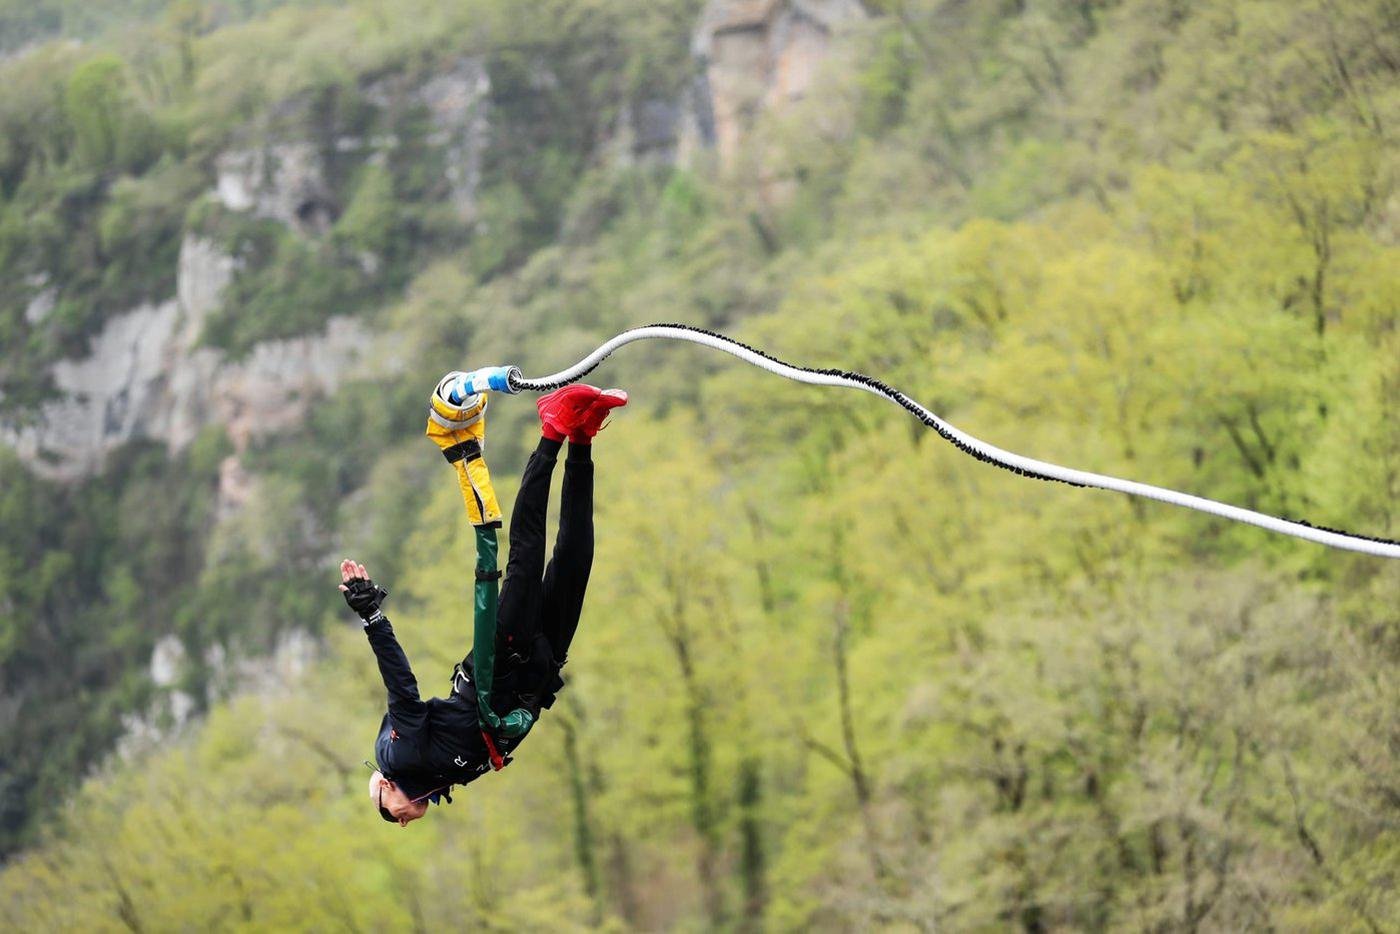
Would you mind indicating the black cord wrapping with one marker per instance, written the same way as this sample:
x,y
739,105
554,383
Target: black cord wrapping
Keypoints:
x,y
883,389
518,384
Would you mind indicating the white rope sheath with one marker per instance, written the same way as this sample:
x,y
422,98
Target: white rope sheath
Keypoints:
x,y
980,449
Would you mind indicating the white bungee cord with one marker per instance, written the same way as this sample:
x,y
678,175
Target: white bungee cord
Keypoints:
x,y
1026,466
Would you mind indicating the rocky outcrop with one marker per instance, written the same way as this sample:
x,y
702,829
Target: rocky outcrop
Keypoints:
x,y
456,100
655,130
172,711
43,302
754,57
283,178
759,56
280,181
147,377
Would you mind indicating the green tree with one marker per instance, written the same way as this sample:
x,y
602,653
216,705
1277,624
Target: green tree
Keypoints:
x,y
108,127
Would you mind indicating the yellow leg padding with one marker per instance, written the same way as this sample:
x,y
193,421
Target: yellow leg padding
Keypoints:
x,y
477,493
478,496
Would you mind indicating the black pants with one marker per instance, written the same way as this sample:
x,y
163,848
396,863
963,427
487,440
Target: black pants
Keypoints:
x,y
540,604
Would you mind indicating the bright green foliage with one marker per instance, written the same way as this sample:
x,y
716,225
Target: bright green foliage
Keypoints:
x,y
107,130
290,287
25,22
370,219
832,674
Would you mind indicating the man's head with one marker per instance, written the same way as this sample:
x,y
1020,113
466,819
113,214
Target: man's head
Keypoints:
x,y
392,803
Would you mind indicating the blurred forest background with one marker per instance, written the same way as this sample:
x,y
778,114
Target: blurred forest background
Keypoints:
x,y
832,674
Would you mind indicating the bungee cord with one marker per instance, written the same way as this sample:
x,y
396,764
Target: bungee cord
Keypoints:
x,y
512,380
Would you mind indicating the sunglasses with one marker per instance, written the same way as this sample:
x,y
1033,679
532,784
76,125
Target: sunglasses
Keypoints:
x,y
379,800
383,811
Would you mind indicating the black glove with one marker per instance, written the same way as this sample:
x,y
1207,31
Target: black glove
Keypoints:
x,y
364,597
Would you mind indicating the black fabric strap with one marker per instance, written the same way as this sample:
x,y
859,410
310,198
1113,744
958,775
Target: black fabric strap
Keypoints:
x,y
467,450
487,575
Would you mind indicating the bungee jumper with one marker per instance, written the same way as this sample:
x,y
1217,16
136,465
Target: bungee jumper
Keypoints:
x,y
521,635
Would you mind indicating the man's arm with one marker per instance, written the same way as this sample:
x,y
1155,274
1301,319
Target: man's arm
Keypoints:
x,y
407,711
406,708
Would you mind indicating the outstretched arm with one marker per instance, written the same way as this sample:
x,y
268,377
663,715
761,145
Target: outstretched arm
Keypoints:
x,y
406,709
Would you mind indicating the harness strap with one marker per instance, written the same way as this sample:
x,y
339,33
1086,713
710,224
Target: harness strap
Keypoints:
x,y
498,761
460,681
468,450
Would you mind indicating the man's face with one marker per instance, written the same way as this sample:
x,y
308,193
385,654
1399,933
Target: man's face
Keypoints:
x,y
385,794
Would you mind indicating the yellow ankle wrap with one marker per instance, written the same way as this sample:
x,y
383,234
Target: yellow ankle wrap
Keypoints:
x,y
460,432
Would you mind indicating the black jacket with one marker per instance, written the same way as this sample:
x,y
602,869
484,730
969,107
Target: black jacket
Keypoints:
x,y
425,746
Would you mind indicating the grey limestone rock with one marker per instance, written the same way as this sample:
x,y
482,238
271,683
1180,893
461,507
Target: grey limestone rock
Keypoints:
x,y
147,377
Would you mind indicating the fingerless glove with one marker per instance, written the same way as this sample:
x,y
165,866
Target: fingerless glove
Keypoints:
x,y
364,597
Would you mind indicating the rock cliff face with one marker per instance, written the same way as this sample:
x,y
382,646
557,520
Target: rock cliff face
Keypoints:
x,y
284,179
173,709
147,377
759,56
754,57
456,101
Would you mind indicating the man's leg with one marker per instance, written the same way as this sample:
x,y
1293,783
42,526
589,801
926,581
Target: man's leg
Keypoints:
x,y
519,608
566,578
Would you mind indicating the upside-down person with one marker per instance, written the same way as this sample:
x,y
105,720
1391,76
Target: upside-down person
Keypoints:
x,y
520,642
